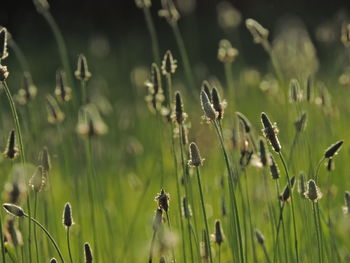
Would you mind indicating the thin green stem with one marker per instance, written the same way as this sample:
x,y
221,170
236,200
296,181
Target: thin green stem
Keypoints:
x,y
317,232
153,34
68,244
48,235
35,237
266,254
152,246
84,97
169,225
292,206
2,241
203,211
318,169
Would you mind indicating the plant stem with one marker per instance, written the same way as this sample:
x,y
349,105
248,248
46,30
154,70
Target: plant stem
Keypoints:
x,y
317,232
68,244
152,246
204,212
318,169
292,206
2,241
48,235
266,254
169,225
153,34
35,237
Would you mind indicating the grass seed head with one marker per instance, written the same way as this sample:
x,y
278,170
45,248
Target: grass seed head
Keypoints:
x,y
204,246
295,94
179,116
259,237
218,235
312,192
155,96
163,200
263,153
143,3
55,115
42,6
330,165
169,12
244,120
217,104
38,179
223,206
209,112
207,87
62,91
226,53
195,156
270,132
259,33
302,184
309,89
285,196
14,210
28,91
333,149
11,151
300,124
53,260
346,208
87,253
162,260
82,73
67,215
3,43
186,208
169,64
345,35
90,122
12,233
3,73
275,172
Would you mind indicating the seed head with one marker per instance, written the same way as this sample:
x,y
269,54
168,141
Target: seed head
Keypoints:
x,y
41,6
53,260
3,73
312,192
158,219
226,53
87,253
218,236
38,180
13,210
12,233
263,154
195,156
3,43
204,246
259,33
330,165
28,91
169,12
295,94
163,200
275,172
333,149
14,192
207,87
82,72
11,150
270,132
244,120
55,115
186,208
309,89
179,115
300,124
302,184
346,208
169,64
217,104
284,197
90,122
67,215
62,91
209,112
259,237
155,95
223,206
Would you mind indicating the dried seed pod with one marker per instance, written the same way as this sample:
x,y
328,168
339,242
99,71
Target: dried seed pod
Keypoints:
x,y
62,91
3,43
312,192
169,12
87,253
244,120
219,236
158,219
67,215
209,111
82,73
169,64
14,209
163,200
284,197
11,150
38,180
270,132
259,237
195,156
217,104
259,33
333,149
275,172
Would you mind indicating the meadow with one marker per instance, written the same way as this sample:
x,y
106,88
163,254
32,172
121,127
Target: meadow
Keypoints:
x,y
176,160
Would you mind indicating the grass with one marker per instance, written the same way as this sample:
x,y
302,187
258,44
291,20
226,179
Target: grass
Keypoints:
x,y
111,155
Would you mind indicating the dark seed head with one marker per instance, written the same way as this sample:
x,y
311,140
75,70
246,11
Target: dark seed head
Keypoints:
x,y
186,209
67,215
195,156
217,104
207,107
300,124
3,43
243,119
169,64
13,209
11,150
333,149
275,172
163,200
87,253
284,197
263,155
312,193
53,260
219,234
180,115
270,131
206,87
82,72
259,237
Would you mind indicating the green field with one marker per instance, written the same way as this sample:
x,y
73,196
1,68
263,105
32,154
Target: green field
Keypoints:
x,y
140,153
